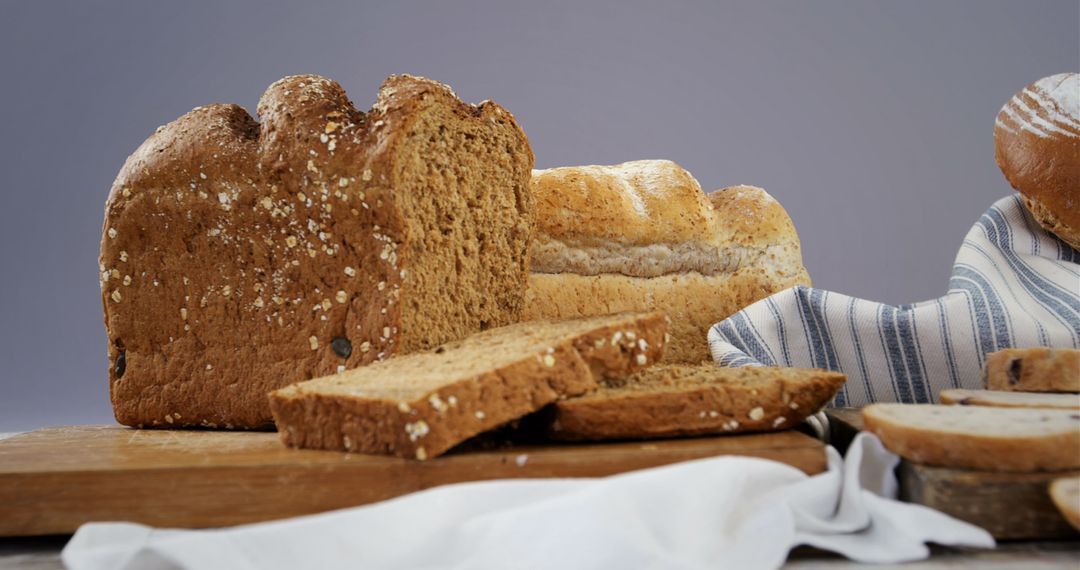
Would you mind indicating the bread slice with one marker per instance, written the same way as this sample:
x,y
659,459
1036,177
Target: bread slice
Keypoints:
x,y
239,257
682,399
1002,399
976,437
422,404
1036,369
642,235
1066,496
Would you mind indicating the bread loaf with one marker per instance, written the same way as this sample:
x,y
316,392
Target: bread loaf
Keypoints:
x,y
643,236
1037,146
1002,399
422,404
1036,369
239,257
680,399
976,437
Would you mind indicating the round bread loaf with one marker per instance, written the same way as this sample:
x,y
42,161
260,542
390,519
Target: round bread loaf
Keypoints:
x,y
1037,147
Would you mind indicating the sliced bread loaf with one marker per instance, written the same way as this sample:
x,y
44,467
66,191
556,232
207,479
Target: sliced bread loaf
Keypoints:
x,y
670,400
422,404
1036,369
239,257
976,437
1066,496
1002,399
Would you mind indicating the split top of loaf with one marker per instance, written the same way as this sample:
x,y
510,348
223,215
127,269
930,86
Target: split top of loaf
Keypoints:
x,y
648,218
241,256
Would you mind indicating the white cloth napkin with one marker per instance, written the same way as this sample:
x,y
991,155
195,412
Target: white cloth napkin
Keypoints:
x,y
731,512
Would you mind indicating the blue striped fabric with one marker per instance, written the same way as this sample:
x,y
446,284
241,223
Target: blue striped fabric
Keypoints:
x,y
1013,285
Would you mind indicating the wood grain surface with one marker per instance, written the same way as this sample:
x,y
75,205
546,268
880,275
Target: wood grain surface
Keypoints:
x,y
52,480
1009,506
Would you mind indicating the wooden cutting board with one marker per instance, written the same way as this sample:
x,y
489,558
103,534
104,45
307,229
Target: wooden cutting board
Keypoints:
x,y
1010,506
52,480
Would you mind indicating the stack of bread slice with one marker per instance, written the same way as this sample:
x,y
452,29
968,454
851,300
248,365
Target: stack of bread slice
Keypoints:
x,y
1027,421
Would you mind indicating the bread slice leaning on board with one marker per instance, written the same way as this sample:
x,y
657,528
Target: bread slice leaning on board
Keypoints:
x,y
1001,399
977,437
694,399
239,257
643,236
420,405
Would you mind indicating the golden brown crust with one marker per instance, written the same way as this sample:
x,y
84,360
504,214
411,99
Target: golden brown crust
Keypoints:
x,y
693,301
635,203
1036,369
672,400
239,257
1037,147
697,257
382,409
975,437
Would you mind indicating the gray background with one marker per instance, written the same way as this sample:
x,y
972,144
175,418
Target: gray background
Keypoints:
x,y
870,121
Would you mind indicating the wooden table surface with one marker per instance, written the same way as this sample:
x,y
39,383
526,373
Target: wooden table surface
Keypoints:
x,y
43,553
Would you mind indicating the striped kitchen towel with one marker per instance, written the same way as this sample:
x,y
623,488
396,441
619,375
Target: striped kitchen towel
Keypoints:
x,y
1013,285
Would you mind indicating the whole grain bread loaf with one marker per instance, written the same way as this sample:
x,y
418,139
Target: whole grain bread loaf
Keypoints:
x,y
239,257
680,399
977,437
1037,369
1003,399
422,404
643,236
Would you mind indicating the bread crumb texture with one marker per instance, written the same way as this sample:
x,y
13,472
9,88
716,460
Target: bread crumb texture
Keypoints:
x,y
420,405
977,437
678,399
238,256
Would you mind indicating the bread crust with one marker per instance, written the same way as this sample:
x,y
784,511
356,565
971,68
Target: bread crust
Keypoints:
x,y
694,302
719,400
424,423
634,203
1037,369
697,257
931,444
238,257
1037,147
1005,399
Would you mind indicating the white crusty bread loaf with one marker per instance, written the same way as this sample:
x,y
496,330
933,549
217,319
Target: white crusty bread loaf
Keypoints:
x,y
422,404
643,236
1066,496
976,437
996,398
1037,369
